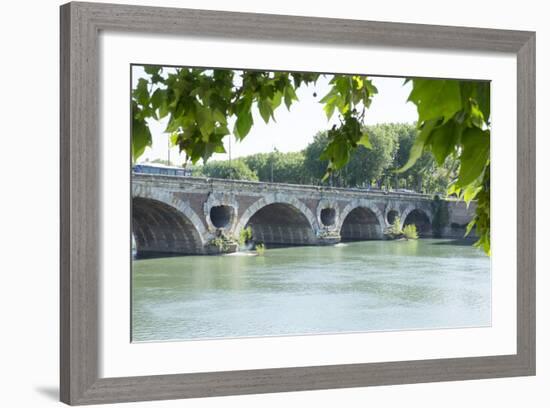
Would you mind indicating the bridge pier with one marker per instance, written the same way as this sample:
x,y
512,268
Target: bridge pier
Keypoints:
x,y
326,238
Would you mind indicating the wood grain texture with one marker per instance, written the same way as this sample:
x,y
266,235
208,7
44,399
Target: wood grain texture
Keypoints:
x,y
526,201
64,205
80,261
80,232
235,25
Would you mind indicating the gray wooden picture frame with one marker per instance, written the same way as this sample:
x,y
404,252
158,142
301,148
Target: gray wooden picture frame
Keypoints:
x,y
80,232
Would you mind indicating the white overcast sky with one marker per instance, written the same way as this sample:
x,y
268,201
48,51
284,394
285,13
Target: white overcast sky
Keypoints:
x,y
294,129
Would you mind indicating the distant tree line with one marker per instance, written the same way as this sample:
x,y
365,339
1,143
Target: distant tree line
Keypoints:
x,y
375,167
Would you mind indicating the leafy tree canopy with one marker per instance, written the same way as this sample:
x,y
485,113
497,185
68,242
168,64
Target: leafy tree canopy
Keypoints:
x,y
453,122
278,167
366,167
234,169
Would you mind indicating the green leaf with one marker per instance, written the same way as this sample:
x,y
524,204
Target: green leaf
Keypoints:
x,y
330,95
158,98
475,155
469,227
436,98
289,96
343,84
141,93
219,149
173,124
264,106
337,151
453,189
470,193
174,137
218,116
476,116
330,106
221,131
205,121
443,141
141,136
243,124
164,109
364,141
483,98
418,146
372,90
152,69
243,105
276,100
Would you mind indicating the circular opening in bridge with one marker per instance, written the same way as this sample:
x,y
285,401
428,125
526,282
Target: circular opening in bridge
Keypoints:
x,y
328,216
221,215
392,215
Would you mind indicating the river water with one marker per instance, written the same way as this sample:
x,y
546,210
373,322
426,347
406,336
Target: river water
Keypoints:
x,y
352,287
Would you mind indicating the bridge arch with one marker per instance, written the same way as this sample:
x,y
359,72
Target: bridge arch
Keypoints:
x,y
280,220
161,222
361,220
418,216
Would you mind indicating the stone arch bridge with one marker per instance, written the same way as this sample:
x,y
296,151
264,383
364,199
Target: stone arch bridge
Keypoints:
x,y
183,215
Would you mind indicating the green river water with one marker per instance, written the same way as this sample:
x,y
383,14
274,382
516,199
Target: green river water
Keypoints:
x,y
351,287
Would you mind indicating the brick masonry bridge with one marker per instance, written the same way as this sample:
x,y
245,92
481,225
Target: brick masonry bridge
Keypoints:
x,y
182,215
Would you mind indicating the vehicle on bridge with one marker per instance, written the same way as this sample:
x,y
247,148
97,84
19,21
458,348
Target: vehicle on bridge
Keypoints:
x,y
162,169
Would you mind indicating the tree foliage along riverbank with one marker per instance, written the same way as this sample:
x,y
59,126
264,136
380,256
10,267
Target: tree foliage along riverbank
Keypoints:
x,y
366,167
453,119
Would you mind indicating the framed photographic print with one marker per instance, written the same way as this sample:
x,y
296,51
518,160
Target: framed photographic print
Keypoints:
x,y
261,203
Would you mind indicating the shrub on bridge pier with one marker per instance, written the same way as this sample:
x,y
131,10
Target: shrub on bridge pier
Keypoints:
x,y
245,236
260,249
394,231
409,232
221,244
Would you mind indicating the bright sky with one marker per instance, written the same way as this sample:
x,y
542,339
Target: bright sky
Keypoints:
x,y
294,129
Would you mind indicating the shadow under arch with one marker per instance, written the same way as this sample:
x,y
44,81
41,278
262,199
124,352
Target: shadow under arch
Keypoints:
x,y
361,221
420,218
161,229
281,222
